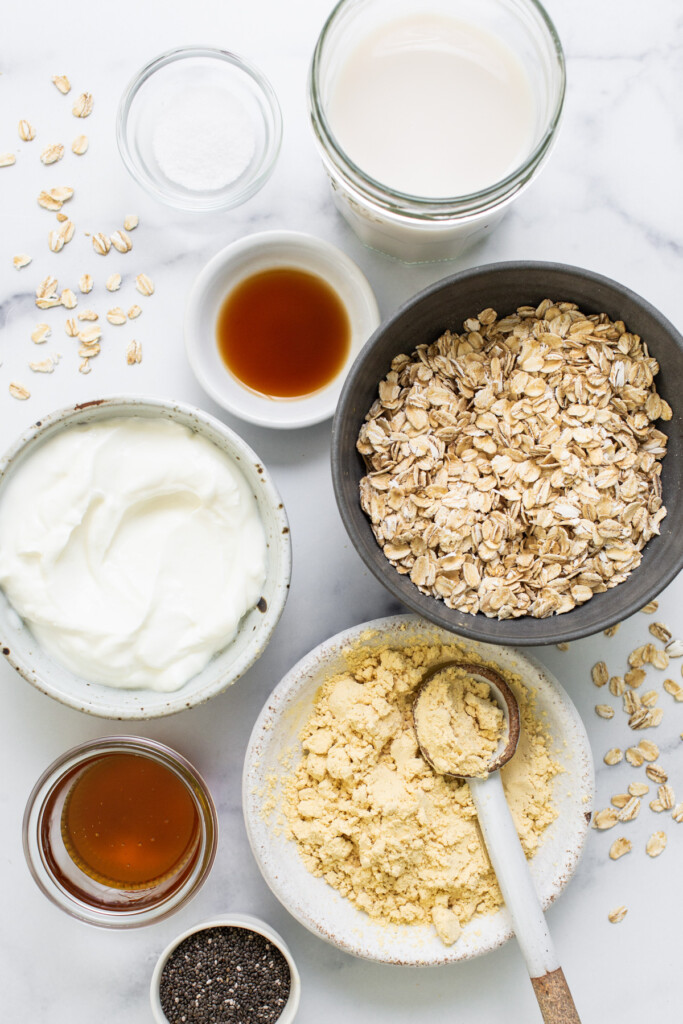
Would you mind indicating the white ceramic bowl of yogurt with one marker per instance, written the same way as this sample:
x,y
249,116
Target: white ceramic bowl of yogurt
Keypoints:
x,y
255,627
274,752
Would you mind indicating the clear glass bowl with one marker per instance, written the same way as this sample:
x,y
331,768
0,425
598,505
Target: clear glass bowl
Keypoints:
x,y
79,893
415,228
178,109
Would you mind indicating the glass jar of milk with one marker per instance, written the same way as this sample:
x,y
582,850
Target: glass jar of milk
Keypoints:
x,y
431,116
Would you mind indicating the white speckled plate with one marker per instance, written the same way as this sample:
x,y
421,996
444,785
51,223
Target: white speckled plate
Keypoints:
x,y
22,650
274,750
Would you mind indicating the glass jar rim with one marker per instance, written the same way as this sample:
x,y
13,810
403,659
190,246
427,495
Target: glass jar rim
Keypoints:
x,y
420,207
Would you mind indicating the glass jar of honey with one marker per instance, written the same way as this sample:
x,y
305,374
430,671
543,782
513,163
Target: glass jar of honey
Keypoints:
x,y
120,831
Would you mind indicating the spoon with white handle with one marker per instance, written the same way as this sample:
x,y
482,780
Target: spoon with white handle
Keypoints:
x,y
503,845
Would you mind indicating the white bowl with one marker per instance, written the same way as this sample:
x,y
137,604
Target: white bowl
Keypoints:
x,y
28,658
269,760
237,921
251,255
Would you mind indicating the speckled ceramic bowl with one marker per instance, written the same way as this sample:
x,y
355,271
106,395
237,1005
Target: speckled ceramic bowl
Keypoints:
x,y
274,751
255,629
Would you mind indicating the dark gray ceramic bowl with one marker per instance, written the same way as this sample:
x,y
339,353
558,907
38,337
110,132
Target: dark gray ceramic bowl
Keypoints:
x,y
504,287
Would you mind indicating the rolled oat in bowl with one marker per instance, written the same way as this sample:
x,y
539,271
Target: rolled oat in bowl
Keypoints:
x,y
514,469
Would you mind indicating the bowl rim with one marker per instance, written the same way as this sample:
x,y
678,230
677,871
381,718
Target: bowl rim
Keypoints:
x,y
237,255
480,627
306,670
248,922
177,700
231,197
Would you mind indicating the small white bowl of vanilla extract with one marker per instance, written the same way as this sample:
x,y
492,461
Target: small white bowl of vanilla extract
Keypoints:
x,y
273,325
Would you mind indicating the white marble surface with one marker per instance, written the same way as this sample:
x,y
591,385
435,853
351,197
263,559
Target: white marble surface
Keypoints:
x,y
609,200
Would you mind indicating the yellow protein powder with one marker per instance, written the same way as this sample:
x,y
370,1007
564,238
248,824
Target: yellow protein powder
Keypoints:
x,y
372,818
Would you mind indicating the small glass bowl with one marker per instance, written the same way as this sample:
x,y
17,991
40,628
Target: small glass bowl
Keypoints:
x,y
145,129
81,895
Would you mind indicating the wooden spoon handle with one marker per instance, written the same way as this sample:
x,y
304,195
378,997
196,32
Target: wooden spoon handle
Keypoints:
x,y
555,999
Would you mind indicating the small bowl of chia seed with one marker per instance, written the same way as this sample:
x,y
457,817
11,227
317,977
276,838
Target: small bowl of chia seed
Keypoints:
x,y
230,970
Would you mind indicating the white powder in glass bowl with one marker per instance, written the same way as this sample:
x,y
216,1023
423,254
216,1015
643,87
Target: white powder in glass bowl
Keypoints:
x,y
204,139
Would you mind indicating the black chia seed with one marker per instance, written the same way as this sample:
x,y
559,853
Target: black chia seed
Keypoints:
x,y
224,975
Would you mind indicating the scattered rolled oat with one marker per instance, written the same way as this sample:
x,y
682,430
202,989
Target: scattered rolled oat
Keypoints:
x,y
84,367
599,673
20,261
660,660
649,750
620,800
619,847
67,230
657,806
642,719
48,302
71,328
131,221
635,757
90,335
656,844
41,333
667,796
612,630
677,813
55,240
26,131
48,202
85,283
605,819
634,677
52,153
43,365
62,83
630,810
631,701
617,686
79,145
116,316
660,631
19,392
674,688
7,159
134,312
89,350
113,283
68,299
638,789
613,756
88,314
83,105
604,710
675,649
617,915
61,217
636,658
649,698
656,773
144,284
650,608
562,646
134,353
101,244
121,241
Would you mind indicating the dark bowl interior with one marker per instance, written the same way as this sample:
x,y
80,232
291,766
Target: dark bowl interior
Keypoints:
x,y
445,305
